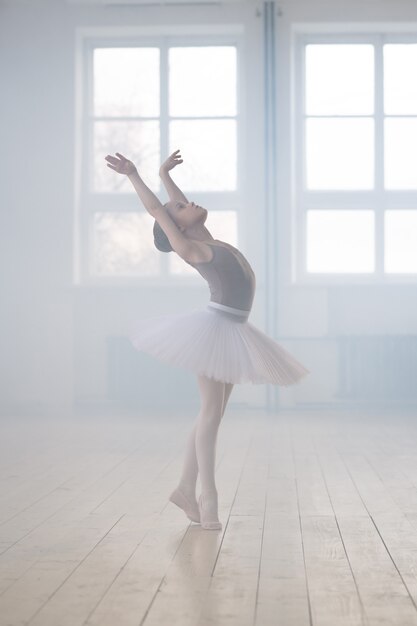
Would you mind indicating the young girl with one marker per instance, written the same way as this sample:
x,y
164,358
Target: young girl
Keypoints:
x,y
216,342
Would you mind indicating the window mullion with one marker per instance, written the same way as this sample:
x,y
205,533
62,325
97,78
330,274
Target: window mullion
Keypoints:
x,y
379,159
95,200
300,160
87,168
164,126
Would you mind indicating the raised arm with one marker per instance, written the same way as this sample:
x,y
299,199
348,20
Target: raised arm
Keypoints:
x,y
120,164
179,242
173,190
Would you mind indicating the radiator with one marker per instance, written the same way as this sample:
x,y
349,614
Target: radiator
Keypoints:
x,y
379,368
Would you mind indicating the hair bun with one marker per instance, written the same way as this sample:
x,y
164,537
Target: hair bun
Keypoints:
x,y
160,239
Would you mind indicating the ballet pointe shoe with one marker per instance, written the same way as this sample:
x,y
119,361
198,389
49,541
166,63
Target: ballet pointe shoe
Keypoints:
x,y
207,507
190,509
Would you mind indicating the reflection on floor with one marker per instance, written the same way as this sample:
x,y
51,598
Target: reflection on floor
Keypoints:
x,y
319,517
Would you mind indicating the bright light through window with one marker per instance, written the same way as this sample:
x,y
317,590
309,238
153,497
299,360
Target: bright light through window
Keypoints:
x,y
401,241
139,141
401,153
209,151
145,102
202,81
400,84
340,153
340,121
203,85
126,82
340,241
122,244
339,79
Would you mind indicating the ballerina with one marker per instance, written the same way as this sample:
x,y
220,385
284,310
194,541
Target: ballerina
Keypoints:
x,y
216,342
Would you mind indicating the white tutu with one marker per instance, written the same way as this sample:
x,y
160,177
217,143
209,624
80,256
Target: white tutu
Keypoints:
x,y
217,342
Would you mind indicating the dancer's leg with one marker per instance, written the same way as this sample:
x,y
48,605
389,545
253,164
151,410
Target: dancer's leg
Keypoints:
x,y
212,397
212,401
189,474
227,391
184,495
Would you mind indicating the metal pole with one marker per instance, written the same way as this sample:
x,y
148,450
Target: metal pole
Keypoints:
x,y
270,142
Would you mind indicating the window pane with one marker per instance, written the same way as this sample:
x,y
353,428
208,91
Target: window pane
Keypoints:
x,y
222,225
202,81
340,241
400,84
122,245
208,148
400,241
126,82
138,141
340,153
340,79
401,153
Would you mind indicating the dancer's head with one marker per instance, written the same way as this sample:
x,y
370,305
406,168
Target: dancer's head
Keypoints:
x,y
186,215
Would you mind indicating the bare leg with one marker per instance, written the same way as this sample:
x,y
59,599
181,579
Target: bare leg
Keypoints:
x,y
184,495
212,404
227,391
189,475
208,422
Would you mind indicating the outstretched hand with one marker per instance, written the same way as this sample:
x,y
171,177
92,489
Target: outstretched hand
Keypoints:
x,y
172,161
120,164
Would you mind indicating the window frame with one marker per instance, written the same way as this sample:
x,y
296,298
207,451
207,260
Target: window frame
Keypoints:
x,y
87,201
378,199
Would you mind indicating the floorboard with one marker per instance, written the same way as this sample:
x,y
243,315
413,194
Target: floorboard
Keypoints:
x,y
319,515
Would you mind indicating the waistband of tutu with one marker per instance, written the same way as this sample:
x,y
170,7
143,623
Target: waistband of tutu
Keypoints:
x,y
229,309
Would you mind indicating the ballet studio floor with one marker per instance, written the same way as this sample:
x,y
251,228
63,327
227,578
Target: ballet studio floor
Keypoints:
x,y
319,515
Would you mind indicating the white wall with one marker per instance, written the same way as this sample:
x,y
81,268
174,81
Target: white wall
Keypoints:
x,y
36,206
53,334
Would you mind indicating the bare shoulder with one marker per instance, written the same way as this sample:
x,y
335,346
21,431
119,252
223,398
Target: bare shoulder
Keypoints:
x,y
198,252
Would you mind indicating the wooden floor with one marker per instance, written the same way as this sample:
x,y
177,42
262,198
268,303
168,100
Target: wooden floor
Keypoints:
x,y
319,517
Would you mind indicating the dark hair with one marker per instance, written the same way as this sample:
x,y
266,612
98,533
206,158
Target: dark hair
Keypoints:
x,y
160,239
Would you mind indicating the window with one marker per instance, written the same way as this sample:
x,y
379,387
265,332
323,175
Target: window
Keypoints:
x,y
146,98
356,179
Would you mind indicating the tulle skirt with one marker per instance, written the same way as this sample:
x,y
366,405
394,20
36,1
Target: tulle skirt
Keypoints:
x,y
219,342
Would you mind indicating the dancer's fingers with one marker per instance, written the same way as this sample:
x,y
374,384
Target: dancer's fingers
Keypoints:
x,y
112,167
111,159
121,156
